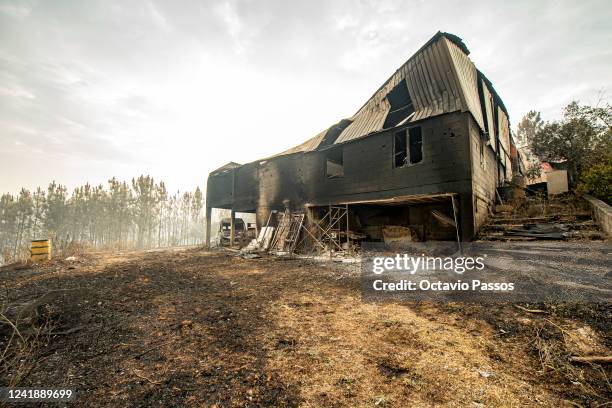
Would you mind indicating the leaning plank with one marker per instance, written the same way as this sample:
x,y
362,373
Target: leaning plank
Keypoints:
x,y
524,309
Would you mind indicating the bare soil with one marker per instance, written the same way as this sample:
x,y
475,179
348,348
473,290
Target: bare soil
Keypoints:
x,y
191,328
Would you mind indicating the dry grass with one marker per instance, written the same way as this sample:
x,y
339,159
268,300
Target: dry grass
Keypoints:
x,y
20,346
196,328
540,205
348,352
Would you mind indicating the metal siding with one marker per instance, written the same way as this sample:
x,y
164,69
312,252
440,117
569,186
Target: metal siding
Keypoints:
x,y
504,130
488,99
415,91
443,89
440,78
368,120
504,138
307,146
437,83
450,103
468,77
446,64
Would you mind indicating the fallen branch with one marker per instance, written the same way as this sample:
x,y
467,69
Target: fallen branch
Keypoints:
x,y
591,359
69,331
15,330
137,356
145,378
524,309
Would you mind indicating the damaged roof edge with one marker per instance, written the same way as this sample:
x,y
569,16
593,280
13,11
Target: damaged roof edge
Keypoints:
x,y
332,146
313,142
226,167
496,96
368,121
451,37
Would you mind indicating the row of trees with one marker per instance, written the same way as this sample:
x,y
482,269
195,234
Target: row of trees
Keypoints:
x,y
582,140
140,214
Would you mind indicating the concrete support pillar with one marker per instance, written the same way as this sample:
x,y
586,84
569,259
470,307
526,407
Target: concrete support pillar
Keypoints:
x,y
232,228
208,225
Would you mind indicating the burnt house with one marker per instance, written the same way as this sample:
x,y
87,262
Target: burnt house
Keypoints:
x,y
431,145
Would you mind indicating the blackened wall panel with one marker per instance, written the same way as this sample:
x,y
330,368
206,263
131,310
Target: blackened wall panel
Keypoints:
x,y
246,183
219,190
369,165
369,173
484,175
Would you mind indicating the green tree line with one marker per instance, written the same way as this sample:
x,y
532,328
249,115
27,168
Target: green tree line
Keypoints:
x,y
140,214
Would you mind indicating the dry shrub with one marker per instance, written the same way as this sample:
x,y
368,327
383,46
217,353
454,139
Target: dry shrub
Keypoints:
x,y
26,328
20,343
504,208
75,248
554,345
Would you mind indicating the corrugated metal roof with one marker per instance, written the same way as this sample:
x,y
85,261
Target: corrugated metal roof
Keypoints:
x,y
307,146
488,108
504,130
369,119
440,78
468,79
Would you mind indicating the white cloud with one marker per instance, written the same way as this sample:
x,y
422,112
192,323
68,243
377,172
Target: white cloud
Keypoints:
x,y
97,89
17,11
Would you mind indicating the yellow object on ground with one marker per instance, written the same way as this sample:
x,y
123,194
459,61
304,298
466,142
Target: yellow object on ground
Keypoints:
x,y
40,250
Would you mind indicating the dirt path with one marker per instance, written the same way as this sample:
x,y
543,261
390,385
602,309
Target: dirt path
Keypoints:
x,y
197,328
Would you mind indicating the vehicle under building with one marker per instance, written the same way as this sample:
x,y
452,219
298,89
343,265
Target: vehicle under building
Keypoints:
x,y
421,159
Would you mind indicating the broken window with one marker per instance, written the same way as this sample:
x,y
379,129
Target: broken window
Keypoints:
x,y
400,149
401,105
408,147
416,145
334,166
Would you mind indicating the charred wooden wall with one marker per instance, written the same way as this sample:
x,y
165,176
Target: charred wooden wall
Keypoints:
x,y
484,174
298,179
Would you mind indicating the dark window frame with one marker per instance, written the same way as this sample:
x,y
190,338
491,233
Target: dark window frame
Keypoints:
x,y
405,155
330,159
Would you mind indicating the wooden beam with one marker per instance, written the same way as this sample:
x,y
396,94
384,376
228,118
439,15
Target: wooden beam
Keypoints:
x,y
232,227
208,226
456,222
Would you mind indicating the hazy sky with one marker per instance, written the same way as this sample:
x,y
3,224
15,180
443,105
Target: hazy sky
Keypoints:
x,y
95,89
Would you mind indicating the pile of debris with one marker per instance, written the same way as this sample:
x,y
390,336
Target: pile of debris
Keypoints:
x,y
535,220
281,239
287,233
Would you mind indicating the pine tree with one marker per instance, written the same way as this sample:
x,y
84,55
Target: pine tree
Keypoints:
x,y
141,214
